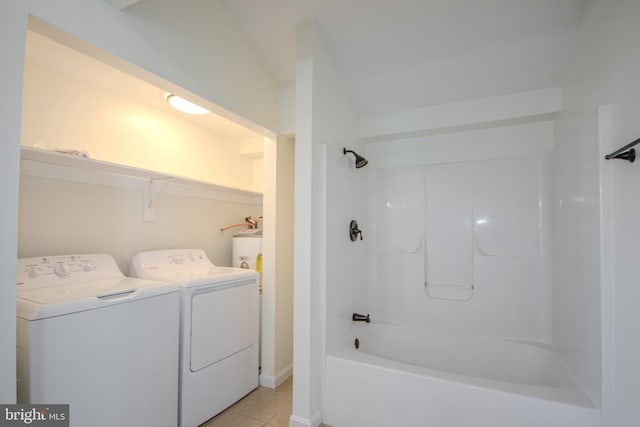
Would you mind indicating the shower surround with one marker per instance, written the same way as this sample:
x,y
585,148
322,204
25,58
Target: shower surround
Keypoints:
x,y
463,247
460,294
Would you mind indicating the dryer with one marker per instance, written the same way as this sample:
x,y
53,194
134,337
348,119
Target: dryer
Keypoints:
x,y
92,338
218,329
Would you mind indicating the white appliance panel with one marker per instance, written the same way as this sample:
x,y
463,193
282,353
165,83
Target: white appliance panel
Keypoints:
x,y
116,365
224,321
104,344
219,329
245,251
211,390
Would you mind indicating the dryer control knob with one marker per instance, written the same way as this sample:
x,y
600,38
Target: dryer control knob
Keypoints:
x,y
33,272
178,259
87,266
62,269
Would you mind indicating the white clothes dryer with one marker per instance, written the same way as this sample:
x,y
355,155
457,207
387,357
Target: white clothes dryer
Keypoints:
x,y
219,329
92,338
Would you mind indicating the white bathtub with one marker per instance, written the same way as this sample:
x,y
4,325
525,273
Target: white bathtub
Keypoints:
x,y
408,376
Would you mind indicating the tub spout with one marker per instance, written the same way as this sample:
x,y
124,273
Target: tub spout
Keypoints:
x,y
360,318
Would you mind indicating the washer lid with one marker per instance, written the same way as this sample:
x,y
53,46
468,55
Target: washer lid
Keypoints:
x,y
40,303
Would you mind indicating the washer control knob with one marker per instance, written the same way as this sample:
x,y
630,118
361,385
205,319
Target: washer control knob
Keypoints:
x,y
178,259
62,269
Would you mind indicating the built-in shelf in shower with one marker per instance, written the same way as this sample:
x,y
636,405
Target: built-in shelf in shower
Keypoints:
x,y
443,291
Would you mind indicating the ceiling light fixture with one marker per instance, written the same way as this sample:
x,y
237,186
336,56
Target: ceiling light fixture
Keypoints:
x,y
185,106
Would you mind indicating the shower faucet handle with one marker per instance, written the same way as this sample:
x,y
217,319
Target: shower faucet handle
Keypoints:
x,y
354,231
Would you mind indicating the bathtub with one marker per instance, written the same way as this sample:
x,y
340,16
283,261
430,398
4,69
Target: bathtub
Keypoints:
x,y
408,376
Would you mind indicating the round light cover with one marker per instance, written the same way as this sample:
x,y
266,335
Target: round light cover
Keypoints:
x,y
185,106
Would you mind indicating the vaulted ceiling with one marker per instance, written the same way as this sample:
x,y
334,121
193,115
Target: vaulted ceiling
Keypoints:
x,y
403,54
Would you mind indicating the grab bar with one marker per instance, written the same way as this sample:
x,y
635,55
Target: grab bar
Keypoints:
x,y
624,153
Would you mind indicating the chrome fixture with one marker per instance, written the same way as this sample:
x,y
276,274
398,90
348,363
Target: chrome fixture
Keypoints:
x,y
360,318
360,161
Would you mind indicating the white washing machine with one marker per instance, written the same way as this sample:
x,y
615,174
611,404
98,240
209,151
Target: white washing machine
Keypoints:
x,y
219,329
92,338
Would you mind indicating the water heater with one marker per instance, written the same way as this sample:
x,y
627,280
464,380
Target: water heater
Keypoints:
x,y
247,251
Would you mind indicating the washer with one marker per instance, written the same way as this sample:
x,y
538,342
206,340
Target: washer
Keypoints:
x,y
219,329
92,338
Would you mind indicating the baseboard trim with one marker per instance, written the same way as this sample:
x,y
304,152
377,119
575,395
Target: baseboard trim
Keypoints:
x,y
296,421
271,381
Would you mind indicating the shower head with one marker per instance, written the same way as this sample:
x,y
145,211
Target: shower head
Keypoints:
x,y
360,161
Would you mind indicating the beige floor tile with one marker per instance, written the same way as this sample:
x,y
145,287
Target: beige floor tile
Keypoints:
x,y
262,407
286,387
230,419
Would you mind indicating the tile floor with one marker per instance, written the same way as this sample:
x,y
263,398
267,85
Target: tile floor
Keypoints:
x,y
263,407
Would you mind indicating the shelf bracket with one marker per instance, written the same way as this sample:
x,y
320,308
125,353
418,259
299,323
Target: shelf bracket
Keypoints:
x,y
151,196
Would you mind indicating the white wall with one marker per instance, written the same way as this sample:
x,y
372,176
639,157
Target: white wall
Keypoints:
x,y
330,270
269,260
219,66
208,54
467,145
283,363
458,195
86,218
604,70
287,109
462,247
277,275
65,112
13,21
455,116
576,248
347,267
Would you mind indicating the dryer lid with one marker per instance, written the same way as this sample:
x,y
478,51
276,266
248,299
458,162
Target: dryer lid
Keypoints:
x,y
184,267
